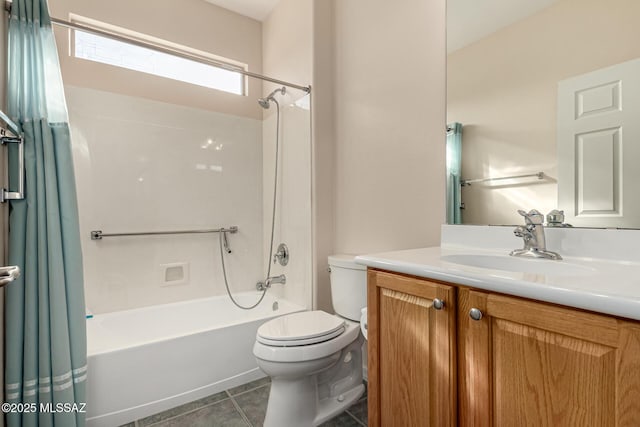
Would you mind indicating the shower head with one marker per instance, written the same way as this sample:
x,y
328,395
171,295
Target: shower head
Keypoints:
x,y
265,102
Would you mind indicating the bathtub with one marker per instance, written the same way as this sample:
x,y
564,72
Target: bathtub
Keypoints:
x,y
147,360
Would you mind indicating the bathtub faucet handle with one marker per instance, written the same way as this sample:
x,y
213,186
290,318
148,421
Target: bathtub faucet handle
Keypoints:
x,y
282,255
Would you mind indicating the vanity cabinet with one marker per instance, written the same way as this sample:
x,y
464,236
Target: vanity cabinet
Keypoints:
x,y
411,347
519,362
531,363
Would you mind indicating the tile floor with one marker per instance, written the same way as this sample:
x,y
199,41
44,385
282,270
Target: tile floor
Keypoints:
x,y
242,406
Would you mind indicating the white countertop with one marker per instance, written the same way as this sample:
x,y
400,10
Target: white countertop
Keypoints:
x,y
604,286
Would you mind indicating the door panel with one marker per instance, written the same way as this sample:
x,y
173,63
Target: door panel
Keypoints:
x,y
551,379
412,375
598,137
527,363
404,375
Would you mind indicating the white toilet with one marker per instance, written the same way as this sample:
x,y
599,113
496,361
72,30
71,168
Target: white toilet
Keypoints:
x,y
314,358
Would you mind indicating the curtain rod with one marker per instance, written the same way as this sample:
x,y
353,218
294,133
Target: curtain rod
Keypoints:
x,y
169,51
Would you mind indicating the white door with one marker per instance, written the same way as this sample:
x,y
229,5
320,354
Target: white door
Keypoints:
x,y
599,147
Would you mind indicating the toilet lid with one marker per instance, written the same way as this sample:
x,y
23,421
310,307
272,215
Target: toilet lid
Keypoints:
x,y
303,328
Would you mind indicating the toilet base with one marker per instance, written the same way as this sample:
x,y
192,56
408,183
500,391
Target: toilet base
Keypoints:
x,y
313,399
306,411
327,409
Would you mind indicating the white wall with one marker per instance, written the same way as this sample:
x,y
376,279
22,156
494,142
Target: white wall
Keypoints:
x,y
148,166
503,88
293,206
390,124
287,55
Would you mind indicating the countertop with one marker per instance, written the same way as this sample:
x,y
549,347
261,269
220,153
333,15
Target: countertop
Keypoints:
x,y
603,286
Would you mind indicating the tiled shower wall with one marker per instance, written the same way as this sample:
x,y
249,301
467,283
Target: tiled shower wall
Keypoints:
x,y
143,165
293,206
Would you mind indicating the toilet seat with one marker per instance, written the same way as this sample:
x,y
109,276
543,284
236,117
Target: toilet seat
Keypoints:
x,y
302,353
299,329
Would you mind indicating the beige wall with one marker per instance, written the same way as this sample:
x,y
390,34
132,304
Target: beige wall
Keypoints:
x,y
324,141
503,88
193,23
390,124
287,48
377,118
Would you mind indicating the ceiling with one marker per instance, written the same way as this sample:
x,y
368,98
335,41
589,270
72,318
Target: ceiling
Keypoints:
x,y
467,20
256,9
471,20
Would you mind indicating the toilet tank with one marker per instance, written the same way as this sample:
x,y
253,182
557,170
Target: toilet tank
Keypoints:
x,y
348,286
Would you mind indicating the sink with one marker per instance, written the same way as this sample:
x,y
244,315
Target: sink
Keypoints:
x,y
521,265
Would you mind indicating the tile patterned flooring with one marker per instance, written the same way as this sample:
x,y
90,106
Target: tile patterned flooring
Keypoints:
x,y
242,406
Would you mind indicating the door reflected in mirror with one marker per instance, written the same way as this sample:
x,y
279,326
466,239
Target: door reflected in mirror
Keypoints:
x,y
545,95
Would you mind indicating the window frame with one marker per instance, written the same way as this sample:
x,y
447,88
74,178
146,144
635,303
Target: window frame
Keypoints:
x,y
155,41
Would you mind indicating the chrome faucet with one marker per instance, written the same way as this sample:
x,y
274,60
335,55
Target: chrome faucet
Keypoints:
x,y
533,235
261,286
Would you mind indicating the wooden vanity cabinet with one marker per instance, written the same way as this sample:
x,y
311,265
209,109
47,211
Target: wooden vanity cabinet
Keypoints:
x,y
521,363
526,363
411,347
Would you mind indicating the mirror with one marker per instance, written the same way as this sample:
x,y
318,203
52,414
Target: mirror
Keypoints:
x,y
543,102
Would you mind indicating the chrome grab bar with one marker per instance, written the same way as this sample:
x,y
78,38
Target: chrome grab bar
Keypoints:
x,y
465,182
8,274
98,234
12,136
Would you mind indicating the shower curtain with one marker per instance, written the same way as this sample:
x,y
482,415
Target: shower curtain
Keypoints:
x,y
454,169
45,318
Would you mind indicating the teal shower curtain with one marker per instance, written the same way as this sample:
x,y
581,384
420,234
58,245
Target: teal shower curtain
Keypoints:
x,y
454,169
45,344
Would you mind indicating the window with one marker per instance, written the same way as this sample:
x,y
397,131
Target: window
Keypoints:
x,y
121,54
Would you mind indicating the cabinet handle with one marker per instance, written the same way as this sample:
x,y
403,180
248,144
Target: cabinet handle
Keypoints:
x,y
438,304
475,314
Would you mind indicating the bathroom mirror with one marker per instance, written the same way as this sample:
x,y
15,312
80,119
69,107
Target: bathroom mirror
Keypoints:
x,y
543,106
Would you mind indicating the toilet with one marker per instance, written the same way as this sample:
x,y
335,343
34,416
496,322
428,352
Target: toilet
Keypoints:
x,y
314,358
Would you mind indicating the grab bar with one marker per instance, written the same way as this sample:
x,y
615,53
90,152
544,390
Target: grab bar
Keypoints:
x,y
12,136
539,175
8,274
98,234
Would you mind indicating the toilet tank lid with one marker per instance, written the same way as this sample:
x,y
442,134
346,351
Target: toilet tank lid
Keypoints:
x,y
345,261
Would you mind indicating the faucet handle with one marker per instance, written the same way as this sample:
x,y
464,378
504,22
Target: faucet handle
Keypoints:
x,y
533,217
555,217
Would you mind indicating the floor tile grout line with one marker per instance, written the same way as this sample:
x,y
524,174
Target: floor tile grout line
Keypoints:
x,y
185,413
355,418
241,412
247,391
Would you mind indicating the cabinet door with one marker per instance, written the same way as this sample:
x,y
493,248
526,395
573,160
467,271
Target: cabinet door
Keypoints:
x,y
411,352
534,364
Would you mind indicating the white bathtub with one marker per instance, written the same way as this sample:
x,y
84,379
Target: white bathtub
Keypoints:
x,y
147,360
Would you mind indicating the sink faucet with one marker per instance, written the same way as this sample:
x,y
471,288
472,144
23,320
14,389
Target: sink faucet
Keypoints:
x,y
533,235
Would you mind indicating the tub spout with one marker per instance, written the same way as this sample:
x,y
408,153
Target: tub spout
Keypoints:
x,y
261,286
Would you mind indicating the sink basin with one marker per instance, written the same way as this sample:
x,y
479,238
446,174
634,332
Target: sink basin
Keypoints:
x,y
522,265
